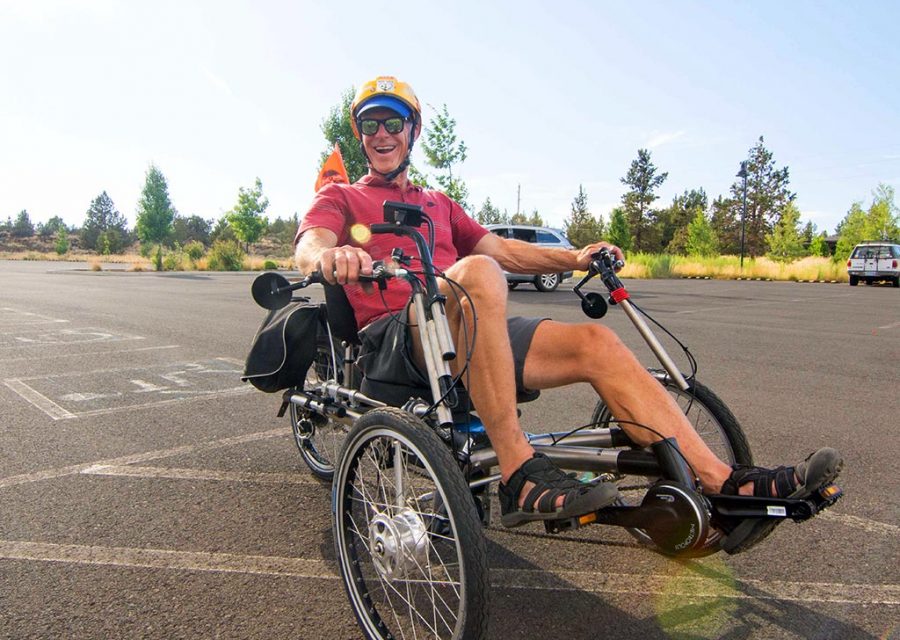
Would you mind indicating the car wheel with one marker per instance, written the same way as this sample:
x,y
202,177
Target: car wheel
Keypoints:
x,y
854,280
512,285
546,282
897,282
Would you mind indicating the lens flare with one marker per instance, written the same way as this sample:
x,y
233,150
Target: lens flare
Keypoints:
x,y
698,601
360,233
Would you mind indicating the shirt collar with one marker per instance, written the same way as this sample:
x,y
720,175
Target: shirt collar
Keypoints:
x,y
374,180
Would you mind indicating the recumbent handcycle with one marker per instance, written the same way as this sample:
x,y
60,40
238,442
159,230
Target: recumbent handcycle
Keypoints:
x,y
411,467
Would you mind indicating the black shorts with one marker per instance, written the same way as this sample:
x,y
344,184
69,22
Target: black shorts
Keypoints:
x,y
386,352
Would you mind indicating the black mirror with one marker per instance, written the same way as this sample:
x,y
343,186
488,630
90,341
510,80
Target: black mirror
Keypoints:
x,y
594,305
271,290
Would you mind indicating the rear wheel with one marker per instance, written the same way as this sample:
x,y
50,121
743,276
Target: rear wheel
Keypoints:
x,y
407,535
715,424
896,282
319,439
854,280
546,282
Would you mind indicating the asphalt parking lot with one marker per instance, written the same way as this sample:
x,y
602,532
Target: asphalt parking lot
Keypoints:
x,y
145,492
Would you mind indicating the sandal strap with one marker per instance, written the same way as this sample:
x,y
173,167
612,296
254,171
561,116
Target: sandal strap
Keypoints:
x,y
549,484
783,478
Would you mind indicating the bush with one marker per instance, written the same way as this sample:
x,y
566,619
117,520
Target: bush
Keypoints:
x,y
173,261
269,265
194,250
226,255
62,241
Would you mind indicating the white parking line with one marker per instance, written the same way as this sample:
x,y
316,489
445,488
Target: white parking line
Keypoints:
x,y
89,353
540,580
39,400
201,474
49,474
11,316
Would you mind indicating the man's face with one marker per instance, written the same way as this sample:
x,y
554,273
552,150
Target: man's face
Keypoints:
x,y
385,150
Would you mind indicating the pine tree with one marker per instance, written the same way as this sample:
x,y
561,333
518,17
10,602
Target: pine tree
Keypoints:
x,y
785,242
701,241
767,196
488,214
643,180
581,227
619,233
102,216
62,240
22,227
536,220
674,220
443,151
726,225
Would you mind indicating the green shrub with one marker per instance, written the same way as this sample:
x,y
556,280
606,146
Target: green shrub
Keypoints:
x,y
173,261
194,250
62,241
269,265
226,255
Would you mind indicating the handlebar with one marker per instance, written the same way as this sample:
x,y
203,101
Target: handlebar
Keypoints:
x,y
273,291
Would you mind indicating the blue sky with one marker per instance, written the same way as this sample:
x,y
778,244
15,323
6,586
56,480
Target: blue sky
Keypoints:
x,y
547,95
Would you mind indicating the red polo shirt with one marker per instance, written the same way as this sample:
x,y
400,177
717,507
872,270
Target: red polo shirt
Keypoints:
x,y
338,207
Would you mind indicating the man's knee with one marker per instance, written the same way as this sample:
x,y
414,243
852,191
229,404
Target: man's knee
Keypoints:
x,y
476,269
598,343
478,273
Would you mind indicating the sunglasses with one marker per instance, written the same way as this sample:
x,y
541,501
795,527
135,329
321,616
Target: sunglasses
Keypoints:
x,y
369,126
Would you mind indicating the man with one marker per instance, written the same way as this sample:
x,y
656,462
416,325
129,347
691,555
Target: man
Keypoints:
x,y
509,354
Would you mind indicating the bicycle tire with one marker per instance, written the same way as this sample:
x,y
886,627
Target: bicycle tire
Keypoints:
x,y
413,565
319,439
713,421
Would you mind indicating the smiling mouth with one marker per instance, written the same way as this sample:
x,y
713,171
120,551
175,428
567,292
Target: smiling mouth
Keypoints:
x,y
385,150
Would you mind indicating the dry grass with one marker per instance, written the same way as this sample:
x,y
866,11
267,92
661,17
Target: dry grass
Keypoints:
x,y
729,267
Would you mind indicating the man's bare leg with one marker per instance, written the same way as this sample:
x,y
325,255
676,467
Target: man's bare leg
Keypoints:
x,y
562,354
491,374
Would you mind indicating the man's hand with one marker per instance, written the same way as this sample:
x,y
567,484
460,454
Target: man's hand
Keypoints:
x,y
584,255
342,265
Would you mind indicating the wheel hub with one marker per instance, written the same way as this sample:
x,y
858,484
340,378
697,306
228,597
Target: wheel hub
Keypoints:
x,y
399,544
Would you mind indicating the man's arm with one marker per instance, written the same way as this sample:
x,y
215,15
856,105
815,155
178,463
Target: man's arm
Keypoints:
x,y
317,250
517,256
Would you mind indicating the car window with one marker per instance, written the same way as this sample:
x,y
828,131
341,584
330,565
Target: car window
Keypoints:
x,y
896,251
503,232
548,238
528,235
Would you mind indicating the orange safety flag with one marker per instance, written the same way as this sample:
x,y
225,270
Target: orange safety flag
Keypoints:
x,y
333,170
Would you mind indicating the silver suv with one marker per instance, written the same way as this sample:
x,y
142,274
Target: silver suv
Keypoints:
x,y
871,261
543,236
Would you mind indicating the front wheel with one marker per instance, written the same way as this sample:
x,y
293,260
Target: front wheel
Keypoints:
x,y
407,536
715,424
547,282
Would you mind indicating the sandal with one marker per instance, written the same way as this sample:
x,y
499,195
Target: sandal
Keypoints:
x,y
549,484
818,470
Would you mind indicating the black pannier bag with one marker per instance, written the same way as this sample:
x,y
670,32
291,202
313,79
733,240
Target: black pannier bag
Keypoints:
x,y
284,347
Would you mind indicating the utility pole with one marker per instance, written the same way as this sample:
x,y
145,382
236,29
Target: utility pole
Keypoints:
x,y
518,198
743,174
